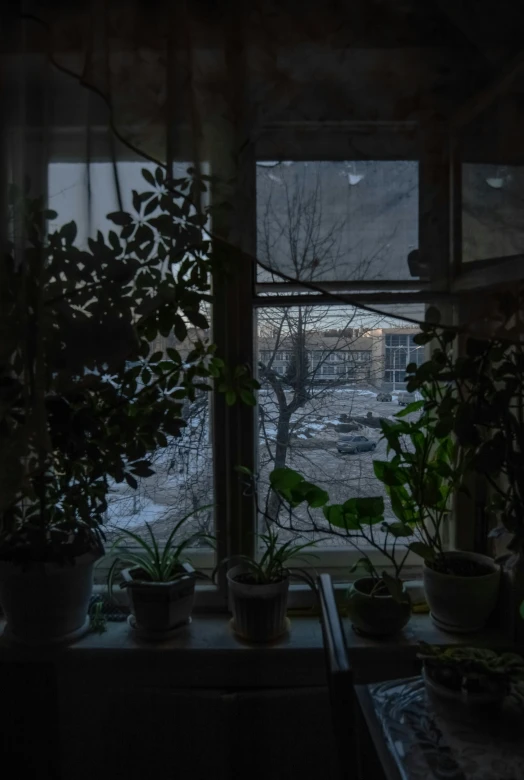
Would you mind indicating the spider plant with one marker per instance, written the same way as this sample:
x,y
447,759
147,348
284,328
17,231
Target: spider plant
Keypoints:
x,y
155,563
273,566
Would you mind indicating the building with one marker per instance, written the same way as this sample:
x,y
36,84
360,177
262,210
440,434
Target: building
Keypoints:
x,y
394,349
377,357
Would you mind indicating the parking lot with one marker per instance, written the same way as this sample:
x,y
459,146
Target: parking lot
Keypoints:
x,y
312,451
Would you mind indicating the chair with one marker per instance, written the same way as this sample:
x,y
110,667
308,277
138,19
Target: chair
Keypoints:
x,y
339,677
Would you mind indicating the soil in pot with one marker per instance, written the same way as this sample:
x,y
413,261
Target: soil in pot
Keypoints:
x,y
460,567
374,612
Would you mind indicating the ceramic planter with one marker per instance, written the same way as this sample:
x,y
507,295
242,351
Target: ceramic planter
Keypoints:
x,y
160,607
376,615
462,604
259,611
47,603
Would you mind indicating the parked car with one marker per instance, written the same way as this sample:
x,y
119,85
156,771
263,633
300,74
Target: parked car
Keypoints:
x,y
406,398
384,398
349,445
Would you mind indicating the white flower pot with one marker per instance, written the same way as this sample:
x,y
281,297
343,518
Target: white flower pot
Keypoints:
x,y
47,603
160,607
259,611
462,604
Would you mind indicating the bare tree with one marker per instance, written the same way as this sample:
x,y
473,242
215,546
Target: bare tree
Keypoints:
x,y
296,236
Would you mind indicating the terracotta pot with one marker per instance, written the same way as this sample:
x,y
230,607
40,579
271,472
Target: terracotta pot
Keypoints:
x,y
47,603
377,615
461,604
259,611
160,606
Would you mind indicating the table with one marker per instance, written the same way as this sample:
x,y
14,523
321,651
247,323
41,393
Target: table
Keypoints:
x,y
417,736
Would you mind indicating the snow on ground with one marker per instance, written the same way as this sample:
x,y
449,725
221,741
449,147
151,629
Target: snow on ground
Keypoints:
x,y
184,470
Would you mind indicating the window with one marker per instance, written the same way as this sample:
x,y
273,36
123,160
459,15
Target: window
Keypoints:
x,y
298,428
317,345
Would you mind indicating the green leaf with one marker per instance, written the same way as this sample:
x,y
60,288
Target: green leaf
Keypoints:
x,y
248,398
180,329
369,507
432,315
389,474
410,408
315,496
424,550
120,218
338,516
142,469
68,232
363,563
244,470
131,481
231,397
399,529
394,586
148,176
284,479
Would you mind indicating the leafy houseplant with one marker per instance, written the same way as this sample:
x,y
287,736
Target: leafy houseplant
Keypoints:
x,y
470,674
159,581
73,417
427,469
258,589
484,412
378,603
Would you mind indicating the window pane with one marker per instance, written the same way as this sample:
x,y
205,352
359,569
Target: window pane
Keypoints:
x,y
321,221
307,411
492,223
183,479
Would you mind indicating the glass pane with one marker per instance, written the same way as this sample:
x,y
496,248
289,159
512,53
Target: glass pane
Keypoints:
x,y
337,221
309,406
183,478
492,213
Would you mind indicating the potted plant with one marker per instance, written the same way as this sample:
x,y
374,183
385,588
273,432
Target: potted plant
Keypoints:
x,y
481,406
427,468
73,416
159,581
258,588
378,603
470,675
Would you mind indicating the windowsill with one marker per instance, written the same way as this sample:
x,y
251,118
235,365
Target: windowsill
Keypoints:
x,y
207,654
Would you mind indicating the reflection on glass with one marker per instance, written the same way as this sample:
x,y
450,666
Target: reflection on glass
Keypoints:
x,y
322,221
492,211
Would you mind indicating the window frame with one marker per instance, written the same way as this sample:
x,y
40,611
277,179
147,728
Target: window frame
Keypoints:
x,y
278,143
237,299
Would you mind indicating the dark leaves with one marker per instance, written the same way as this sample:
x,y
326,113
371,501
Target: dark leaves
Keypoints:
x,y
120,218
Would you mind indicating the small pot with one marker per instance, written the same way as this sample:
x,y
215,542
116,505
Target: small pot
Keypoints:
x,y
441,691
47,603
160,606
377,615
461,604
259,611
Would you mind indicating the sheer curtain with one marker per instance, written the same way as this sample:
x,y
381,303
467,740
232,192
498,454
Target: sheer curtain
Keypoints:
x,y
282,109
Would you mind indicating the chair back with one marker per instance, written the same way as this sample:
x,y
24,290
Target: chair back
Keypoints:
x,y
339,678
